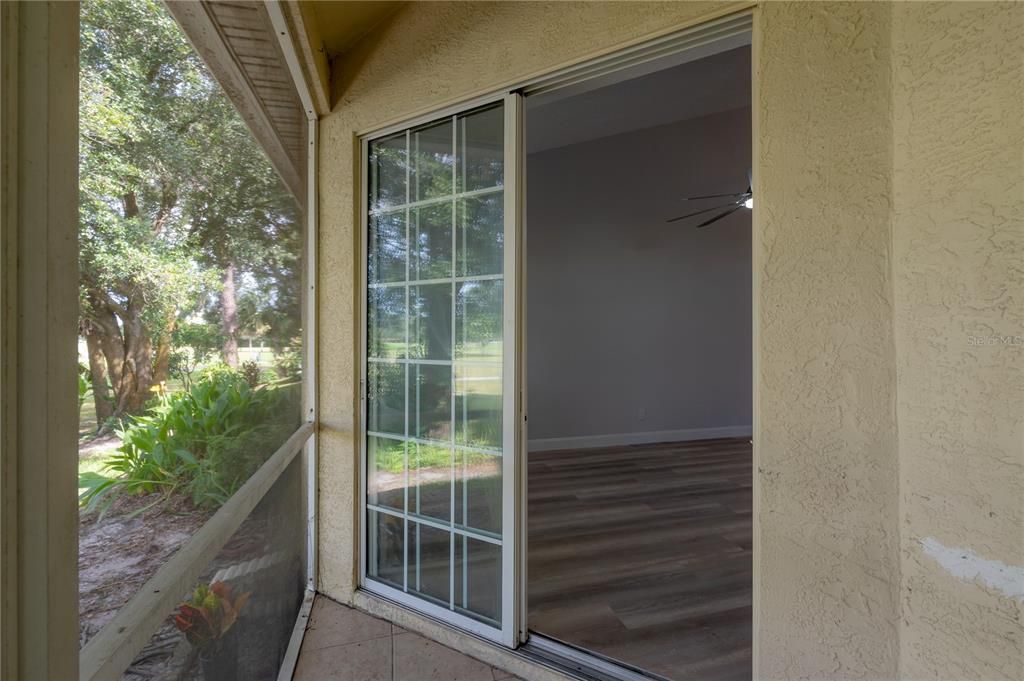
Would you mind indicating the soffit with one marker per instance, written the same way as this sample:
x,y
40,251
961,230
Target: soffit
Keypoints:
x,y
238,44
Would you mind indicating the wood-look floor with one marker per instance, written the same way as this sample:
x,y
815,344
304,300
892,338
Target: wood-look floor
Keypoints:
x,y
643,554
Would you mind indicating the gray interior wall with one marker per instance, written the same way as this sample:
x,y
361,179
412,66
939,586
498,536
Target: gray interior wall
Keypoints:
x,y
636,326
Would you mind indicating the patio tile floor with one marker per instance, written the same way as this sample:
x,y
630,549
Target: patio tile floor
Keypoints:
x,y
344,644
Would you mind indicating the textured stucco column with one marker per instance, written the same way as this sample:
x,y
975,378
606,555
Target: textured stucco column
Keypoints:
x,y
826,576
958,241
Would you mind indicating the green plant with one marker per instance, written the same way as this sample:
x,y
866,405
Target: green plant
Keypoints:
x,y
288,363
84,386
209,613
251,373
205,442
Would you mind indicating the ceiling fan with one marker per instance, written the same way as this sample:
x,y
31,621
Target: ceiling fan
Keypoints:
x,y
737,200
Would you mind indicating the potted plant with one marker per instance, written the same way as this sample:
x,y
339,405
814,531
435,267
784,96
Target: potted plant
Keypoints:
x,y
206,619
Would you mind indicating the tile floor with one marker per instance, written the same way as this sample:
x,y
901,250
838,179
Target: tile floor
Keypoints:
x,y
343,644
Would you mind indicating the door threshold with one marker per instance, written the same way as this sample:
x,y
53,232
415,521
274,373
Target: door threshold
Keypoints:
x,y
582,663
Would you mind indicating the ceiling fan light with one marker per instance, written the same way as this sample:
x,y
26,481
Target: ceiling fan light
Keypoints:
x,y
749,203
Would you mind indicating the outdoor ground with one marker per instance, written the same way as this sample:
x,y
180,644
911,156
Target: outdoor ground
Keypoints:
x,y
119,552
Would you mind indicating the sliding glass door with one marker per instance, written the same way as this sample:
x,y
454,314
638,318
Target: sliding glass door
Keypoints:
x,y
439,367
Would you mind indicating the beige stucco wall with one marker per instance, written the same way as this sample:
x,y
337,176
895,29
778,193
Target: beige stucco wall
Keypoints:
x,y
827,560
863,302
958,244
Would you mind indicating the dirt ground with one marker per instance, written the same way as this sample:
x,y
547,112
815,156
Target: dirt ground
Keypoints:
x,y
116,555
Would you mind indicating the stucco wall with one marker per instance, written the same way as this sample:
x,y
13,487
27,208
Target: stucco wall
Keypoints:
x,y
958,243
888,181
827,559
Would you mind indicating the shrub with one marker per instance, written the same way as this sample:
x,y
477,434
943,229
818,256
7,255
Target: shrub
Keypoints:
x,y
251,373
205,441
288,363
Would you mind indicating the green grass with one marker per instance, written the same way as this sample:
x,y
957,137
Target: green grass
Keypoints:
x,y
95,463
388,456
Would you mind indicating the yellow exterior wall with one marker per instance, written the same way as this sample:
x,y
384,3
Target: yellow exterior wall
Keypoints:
x,y
958,243
863,115
826,566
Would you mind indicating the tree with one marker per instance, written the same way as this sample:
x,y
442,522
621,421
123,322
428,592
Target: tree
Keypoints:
x,y
179,208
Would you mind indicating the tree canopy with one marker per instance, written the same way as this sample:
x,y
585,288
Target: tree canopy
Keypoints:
x,y
183,221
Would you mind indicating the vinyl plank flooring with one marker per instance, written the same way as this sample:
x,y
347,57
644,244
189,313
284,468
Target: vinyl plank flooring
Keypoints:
x,y
643,554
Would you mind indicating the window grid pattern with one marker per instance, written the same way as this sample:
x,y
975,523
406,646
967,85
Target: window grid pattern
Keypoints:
x,y
416,349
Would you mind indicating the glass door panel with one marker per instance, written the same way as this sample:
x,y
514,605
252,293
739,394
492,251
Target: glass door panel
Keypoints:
x,y
438,448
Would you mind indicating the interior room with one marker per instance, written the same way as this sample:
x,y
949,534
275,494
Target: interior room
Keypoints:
x,y
639,364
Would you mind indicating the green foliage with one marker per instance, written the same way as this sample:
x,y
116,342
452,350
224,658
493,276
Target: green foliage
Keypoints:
x,y
205,441
173,188
194,345
251,372
84,385
288,363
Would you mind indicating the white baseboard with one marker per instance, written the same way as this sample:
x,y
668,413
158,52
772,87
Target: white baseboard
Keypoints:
x,y
619,439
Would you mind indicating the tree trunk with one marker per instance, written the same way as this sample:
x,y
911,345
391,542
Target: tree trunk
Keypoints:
x,y
162,361
98,373
229,316
137,378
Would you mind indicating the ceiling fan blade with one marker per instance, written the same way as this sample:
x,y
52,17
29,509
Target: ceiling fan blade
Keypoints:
x,y
712,196
698,212
719,216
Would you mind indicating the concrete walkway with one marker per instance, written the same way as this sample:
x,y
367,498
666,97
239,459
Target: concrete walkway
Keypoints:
x,y
342,644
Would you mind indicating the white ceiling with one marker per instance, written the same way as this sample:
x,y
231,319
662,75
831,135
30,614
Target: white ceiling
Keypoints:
x,y
641,98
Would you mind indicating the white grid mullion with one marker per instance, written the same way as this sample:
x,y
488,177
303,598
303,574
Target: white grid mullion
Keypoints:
x,y
438,362
451,426
437,200
405,447
465,486
437,524
434,443
441,280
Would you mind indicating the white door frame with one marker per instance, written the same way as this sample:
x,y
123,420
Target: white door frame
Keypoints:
x,y
510,543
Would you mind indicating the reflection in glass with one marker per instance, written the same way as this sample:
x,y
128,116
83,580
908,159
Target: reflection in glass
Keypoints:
x,y
430,395
480,235
478,409
387,248
478,491
478,320
434,379
385,397
430,476
385,319
430,562
478,578
385,472
481,148
387,172
431,256
431,320
387,547
432,161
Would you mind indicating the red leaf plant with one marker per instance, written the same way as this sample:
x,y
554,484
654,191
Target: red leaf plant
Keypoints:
x,y
209,614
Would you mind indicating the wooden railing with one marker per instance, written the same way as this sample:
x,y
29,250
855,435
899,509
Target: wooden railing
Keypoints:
x,y
112,650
